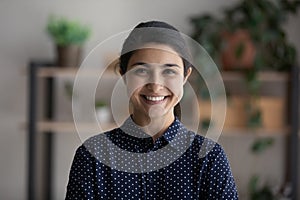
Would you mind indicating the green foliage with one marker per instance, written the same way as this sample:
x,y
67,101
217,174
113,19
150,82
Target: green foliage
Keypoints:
x,y
256,191
100,103
205,123
67,32
68,87
260,145
263,19
207,33
259,193
254,116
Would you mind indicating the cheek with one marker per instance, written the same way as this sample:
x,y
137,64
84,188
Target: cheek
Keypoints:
x,y
175,86
134,84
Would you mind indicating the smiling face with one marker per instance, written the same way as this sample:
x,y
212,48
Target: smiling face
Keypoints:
x,y
155,79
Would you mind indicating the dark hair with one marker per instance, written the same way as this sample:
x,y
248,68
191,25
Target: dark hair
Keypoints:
x,y
155,32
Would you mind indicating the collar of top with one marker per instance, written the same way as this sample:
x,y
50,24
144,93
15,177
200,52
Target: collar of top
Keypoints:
x,y
177,129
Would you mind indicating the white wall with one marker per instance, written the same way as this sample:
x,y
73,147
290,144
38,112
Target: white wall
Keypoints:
x,y
23,37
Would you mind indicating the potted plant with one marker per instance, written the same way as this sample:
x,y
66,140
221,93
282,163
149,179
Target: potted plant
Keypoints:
x,y
249,37
249,22
69,36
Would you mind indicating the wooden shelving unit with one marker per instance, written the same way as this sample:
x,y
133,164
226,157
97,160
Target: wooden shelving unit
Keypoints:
x,y
47,71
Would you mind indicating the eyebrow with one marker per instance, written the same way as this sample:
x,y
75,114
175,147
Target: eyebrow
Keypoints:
x,y
148,65
171,65
140,63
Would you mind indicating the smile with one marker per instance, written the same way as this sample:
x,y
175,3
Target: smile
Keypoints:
x,y
154,99
160,98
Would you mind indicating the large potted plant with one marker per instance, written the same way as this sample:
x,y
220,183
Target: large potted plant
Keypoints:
x,y
259,22
68,36
249,37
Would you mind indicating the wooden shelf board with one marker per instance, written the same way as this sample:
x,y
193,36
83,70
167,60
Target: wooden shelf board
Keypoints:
x,y
56,71
233,132
67,127
45,72
262,76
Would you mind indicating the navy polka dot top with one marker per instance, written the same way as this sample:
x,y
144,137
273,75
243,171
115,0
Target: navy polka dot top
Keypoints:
x,y
125,163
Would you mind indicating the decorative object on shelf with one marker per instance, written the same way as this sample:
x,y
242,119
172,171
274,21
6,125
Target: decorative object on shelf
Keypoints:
x,y
103,112
249,37
69,36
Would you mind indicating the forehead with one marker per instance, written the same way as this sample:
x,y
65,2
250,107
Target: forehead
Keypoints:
x,y
156,53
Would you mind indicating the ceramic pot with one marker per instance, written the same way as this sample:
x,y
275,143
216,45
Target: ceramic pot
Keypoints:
x,y
68,56
238,50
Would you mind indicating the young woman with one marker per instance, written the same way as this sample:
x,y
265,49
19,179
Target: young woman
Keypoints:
x,y
152,155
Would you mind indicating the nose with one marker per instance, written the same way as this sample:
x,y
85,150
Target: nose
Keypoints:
x,y
154,87
155,77
155,82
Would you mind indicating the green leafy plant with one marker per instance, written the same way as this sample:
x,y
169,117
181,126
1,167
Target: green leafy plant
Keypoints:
x,y
100,104
259,193
260,145
68,87
66,32
263,21
256,190
205,123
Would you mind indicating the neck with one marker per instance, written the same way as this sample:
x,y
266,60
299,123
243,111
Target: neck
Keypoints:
x,y
156,126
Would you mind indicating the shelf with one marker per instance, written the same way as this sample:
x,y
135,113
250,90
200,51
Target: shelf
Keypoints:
x,y
267,76
57,72
69,127
241,132
47,72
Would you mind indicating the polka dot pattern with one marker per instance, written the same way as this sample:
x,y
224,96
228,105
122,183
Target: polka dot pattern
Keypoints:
x,y
193,175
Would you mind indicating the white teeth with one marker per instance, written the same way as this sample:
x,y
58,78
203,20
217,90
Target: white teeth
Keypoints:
x,y
155,98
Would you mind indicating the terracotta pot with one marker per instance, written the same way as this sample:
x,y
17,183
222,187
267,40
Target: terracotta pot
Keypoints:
x,y
68,56
234,42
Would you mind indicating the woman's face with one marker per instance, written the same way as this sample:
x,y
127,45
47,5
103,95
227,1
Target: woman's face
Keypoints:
x,y
155,79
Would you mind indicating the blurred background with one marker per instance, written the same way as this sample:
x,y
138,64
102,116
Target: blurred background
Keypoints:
x,y
255,46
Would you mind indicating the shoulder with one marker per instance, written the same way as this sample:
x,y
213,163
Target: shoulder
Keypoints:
x,y
206,147
98,139
101,144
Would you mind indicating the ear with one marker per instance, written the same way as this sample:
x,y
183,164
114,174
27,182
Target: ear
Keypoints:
x,y
188,73
124,79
